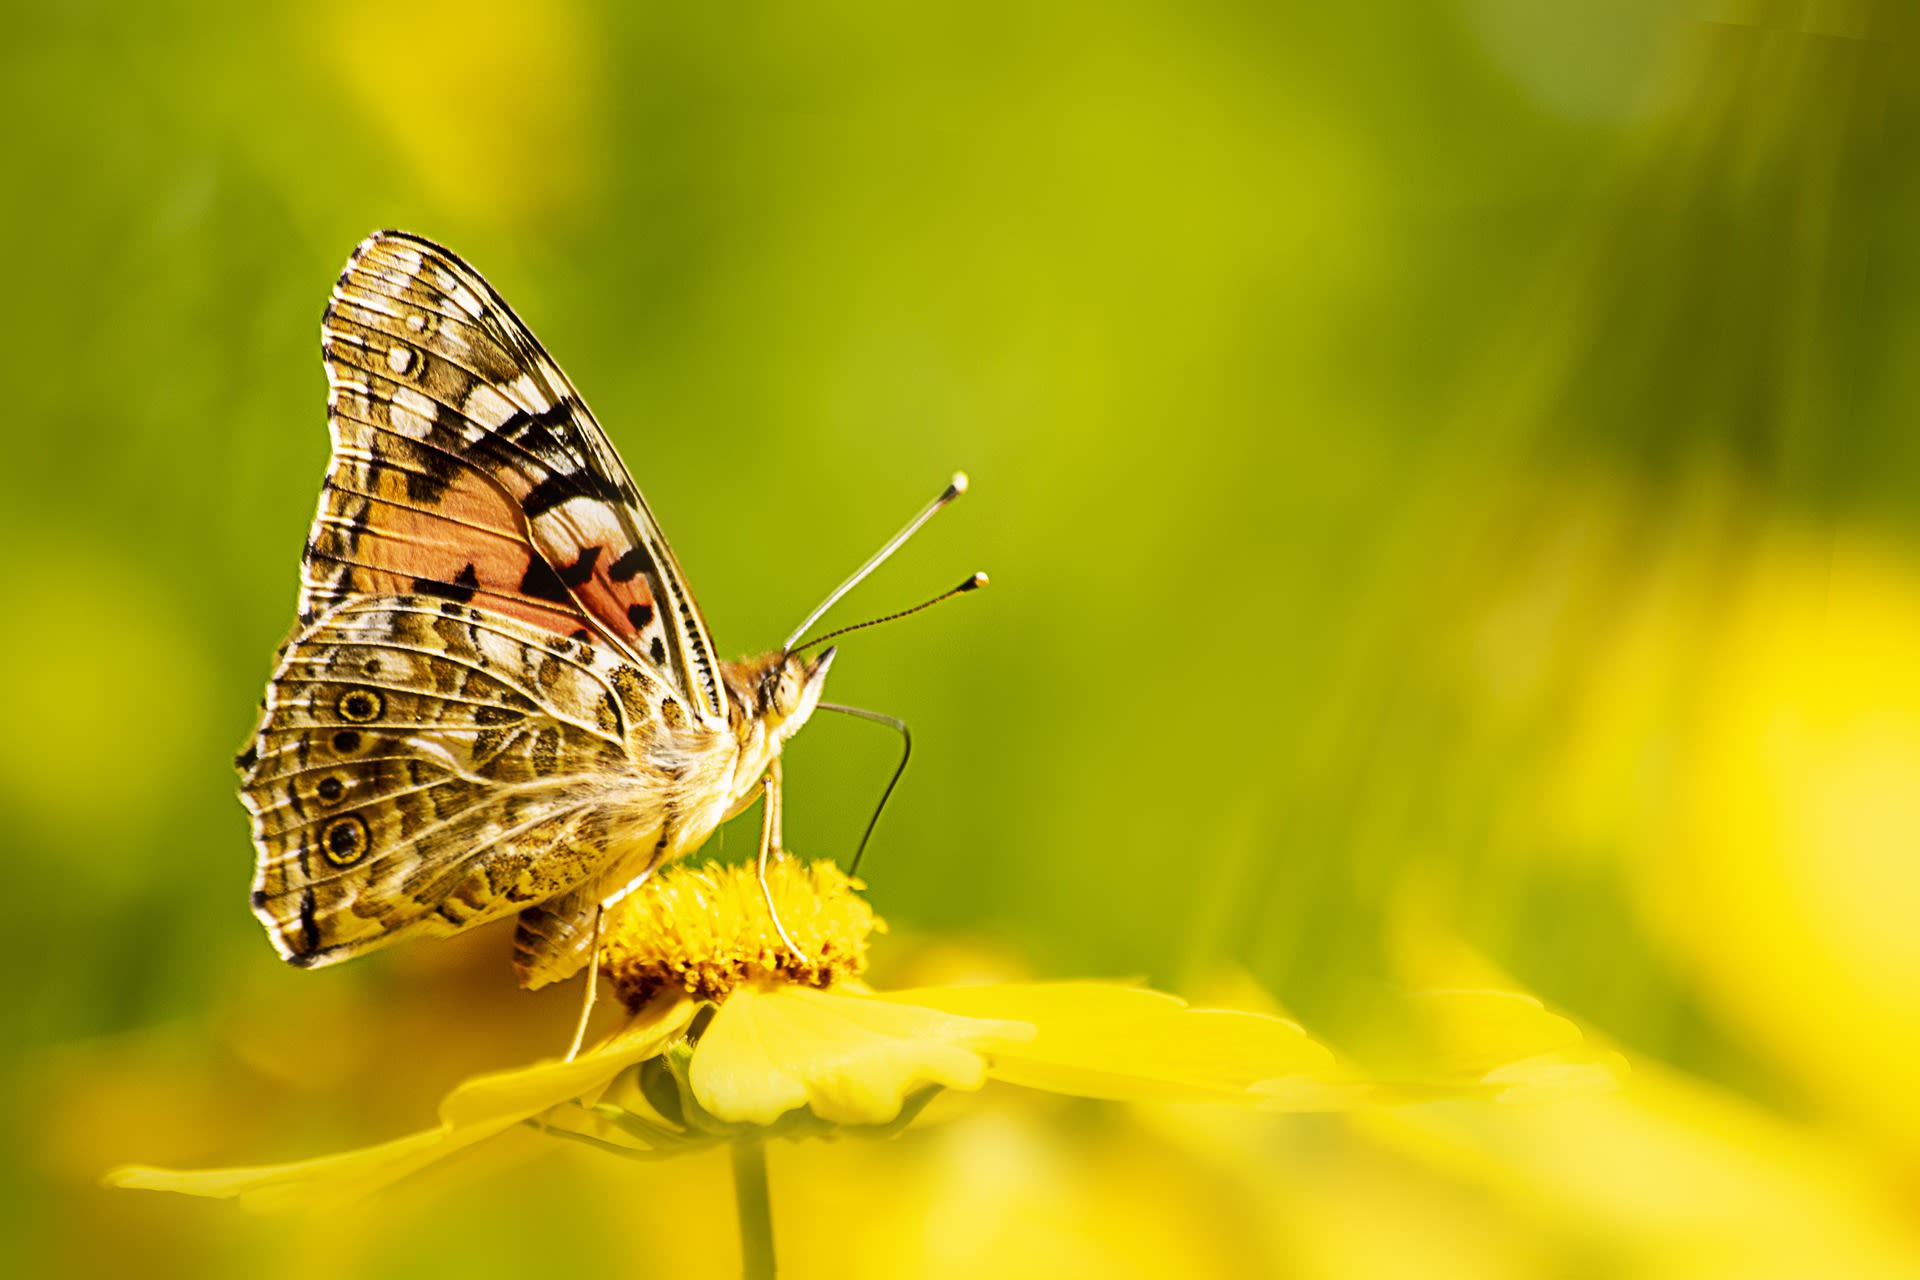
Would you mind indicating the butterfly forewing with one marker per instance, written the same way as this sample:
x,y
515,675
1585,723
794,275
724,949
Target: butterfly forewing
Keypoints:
x,y
467,467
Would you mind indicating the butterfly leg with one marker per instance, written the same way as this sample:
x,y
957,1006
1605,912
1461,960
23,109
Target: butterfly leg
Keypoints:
x,y
607,904
770,837
770,844
593,987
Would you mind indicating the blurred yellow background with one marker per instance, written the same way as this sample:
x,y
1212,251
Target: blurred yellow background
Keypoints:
x,y
1453,499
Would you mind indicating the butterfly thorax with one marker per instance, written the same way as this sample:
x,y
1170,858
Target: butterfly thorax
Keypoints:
x,y
769,698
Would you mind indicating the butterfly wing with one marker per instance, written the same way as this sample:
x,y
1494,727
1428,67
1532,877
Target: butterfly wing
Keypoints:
x,y
466,466
423,766
485,580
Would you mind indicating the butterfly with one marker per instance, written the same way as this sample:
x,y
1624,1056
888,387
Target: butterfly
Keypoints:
x,y
501,697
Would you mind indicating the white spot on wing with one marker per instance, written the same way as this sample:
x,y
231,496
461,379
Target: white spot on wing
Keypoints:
x,y
487,406
464,299
399,358
584,524
367,301
528,394
411,413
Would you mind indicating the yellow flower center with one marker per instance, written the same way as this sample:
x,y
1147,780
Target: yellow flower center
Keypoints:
x,y
705,930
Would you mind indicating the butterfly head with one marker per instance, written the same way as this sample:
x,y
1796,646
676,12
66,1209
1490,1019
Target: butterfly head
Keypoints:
x,y
781,689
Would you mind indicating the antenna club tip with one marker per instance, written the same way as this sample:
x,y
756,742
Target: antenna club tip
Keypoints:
x,y
974,583
957,485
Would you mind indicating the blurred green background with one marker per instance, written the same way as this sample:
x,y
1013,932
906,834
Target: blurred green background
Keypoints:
x,y
1452,495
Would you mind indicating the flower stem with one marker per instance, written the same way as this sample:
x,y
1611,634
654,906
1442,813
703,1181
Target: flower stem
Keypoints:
x,y
756,1209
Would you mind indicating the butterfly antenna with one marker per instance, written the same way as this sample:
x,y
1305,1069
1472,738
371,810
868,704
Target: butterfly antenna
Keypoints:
x,y
899,726
973,583
955,487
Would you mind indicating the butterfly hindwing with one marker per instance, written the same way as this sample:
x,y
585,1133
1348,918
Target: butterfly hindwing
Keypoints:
x,y
466,467
423,765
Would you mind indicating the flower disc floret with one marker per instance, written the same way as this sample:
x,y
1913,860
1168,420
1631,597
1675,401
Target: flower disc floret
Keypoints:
x,y
706,930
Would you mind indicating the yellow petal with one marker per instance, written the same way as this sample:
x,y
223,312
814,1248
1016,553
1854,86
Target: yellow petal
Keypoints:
x,y
318,1185
851,1058
1556,1077
1466,1028
1497,1045
1472,1031
514,1095
476,1110
1098,1040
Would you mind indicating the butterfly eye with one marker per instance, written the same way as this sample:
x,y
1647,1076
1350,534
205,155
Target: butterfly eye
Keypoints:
x,y
344,841
358,706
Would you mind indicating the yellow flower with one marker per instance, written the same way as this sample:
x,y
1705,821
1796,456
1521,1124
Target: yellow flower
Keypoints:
x,y
733,1036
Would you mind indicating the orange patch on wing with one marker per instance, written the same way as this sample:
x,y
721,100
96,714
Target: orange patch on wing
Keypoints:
x,y
468,538
625,607
622,609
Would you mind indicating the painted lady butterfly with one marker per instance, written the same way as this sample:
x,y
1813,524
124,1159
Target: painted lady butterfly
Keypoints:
x,y
501,697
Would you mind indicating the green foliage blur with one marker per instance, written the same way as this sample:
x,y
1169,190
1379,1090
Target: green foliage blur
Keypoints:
x,y
1400,435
